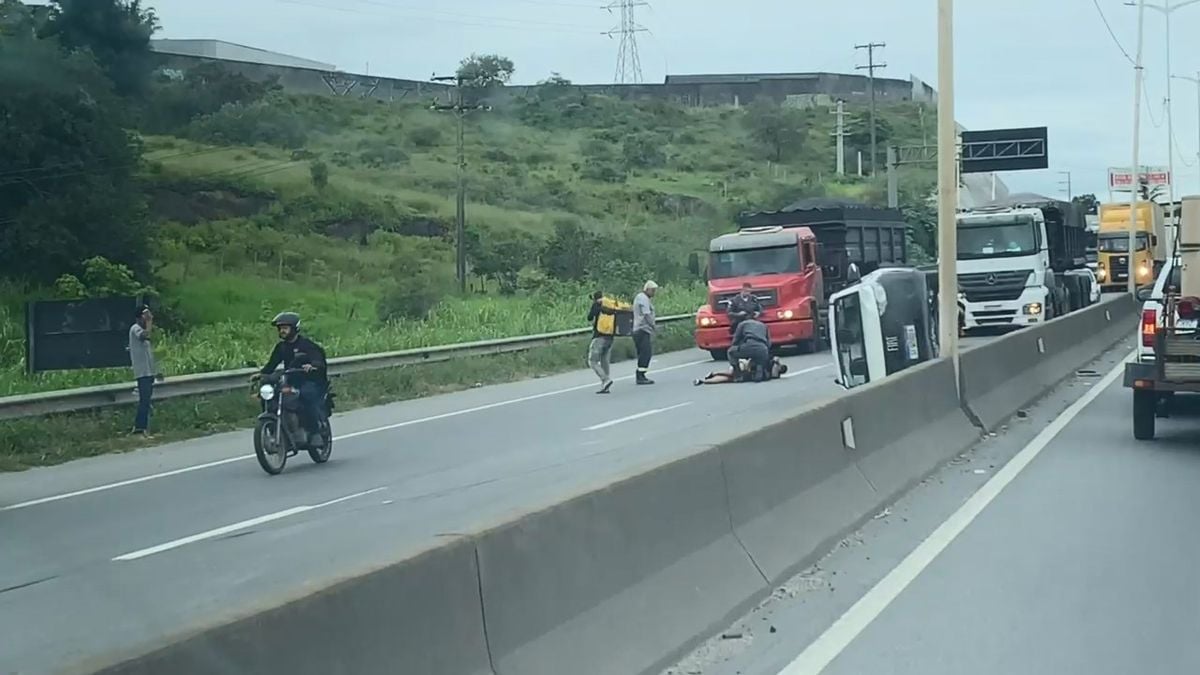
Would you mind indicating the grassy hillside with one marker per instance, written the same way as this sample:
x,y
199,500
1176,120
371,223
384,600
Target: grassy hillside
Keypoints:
x,y
343,210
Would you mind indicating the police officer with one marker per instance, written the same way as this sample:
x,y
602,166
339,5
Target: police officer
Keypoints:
x,y
743,306
751,341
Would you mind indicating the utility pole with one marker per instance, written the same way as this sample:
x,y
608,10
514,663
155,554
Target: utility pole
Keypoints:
x,y
1137,137
1066,183
871,67
629,63
947,171
460,110
840,135
1195,80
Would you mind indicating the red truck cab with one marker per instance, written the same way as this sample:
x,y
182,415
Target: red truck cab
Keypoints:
x,y
782,268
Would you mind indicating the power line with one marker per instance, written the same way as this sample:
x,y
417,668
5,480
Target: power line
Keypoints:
x,y
629,63
410,8
1112,34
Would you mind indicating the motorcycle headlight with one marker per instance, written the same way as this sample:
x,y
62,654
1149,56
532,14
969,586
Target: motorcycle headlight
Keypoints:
x,y
267,392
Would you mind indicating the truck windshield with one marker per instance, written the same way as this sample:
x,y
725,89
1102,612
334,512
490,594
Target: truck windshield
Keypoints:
x,y
995,239
754,262
1118,242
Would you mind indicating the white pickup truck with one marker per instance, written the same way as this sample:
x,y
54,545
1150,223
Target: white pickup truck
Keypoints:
x,y
1152,306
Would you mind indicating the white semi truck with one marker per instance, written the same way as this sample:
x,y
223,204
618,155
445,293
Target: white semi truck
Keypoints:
x,y
1022,261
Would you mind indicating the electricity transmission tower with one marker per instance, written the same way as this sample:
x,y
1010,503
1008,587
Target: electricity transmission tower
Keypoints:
x,y
629,64
871,67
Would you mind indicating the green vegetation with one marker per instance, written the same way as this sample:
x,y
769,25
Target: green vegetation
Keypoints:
x,y
225,200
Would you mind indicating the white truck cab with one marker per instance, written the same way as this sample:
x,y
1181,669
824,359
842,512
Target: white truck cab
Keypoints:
x,y
1003,262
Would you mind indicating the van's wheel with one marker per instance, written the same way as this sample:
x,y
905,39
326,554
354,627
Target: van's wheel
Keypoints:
x,y
719,354
1145,404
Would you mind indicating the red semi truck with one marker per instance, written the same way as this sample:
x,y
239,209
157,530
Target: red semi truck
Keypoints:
x,y
794,259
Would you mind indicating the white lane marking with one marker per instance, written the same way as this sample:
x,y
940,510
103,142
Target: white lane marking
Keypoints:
x,y
500,404
636,416
422,420
818,655
794,373
245,524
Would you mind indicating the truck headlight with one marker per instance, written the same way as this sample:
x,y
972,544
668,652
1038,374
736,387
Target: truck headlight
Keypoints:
x,y
266,392
1101,273
1033,309
1143,271
706,321
786,314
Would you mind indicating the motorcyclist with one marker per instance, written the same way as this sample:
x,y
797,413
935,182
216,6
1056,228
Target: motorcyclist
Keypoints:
x,y
743,306
295,351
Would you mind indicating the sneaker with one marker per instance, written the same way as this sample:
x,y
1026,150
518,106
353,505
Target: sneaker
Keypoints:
x,y
606,387
645,380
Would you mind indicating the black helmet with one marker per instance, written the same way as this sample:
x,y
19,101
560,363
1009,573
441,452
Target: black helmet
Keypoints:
x,y
287,319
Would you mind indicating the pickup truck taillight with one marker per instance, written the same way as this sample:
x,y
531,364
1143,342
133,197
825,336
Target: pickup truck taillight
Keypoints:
x,y
1149,325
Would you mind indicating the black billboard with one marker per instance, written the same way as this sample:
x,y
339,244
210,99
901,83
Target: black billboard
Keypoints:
x,y
1004,150
74,334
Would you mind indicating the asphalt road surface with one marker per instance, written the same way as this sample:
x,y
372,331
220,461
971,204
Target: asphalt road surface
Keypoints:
x,y
1077,556
106,555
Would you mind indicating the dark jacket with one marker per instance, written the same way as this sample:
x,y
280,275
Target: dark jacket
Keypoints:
x,y
751,331
594,315
297,353
741,308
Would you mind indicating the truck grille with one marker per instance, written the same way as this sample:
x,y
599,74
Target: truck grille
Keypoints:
x,y
768,297
1120,267
993,286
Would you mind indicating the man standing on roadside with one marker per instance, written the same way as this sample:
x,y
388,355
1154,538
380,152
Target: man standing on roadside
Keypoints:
x,y
643,330
600,350
145,370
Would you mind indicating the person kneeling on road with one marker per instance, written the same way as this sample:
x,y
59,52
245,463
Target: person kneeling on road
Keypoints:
x,y
776,371
751,341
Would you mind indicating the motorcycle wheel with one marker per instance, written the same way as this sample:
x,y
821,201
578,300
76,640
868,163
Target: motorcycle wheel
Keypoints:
x,y
268,446
321,455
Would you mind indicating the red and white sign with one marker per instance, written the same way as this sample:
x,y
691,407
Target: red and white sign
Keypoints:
x,y
1121,180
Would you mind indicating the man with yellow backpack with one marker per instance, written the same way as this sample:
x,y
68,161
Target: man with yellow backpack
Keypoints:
x,y
603,317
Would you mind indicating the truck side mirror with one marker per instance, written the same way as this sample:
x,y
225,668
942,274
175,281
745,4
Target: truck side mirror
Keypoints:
x,y
1143,293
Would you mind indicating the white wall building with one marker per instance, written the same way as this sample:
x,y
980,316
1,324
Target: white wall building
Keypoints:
x,y
228,51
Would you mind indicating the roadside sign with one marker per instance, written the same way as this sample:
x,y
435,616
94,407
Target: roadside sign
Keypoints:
x,y
1004,150
1120,179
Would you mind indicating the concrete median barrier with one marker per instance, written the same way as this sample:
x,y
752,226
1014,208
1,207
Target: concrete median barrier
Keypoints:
x,y
617,580
422,615
798,486
1008,374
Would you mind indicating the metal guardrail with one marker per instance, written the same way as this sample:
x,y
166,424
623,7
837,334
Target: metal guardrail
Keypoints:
x,y
85,398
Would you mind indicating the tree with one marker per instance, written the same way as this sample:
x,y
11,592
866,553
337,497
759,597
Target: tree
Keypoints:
x,y
17,19
203,90
780,129
859,134
1088,202
500,255
319,173
117,32
67,186
480,72
569,252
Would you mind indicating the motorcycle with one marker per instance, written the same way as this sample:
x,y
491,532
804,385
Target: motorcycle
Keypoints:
x,y
279,432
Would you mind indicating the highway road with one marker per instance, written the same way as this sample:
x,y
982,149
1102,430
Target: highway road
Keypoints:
x,y
1083,561
110,554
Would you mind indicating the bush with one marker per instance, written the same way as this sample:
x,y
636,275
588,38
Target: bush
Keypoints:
x,y
250,124
381,157
425,136
319,173
413,298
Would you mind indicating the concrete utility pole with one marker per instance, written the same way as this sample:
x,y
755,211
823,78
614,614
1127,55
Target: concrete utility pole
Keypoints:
x,y
1195,80
871,67
1065,183
1137,136
1166,9
460,110
840,135
947,151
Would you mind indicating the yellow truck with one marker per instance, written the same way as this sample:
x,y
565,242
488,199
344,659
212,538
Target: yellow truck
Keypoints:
x,y
1113,260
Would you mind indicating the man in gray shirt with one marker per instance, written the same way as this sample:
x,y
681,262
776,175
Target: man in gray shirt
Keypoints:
x,y
643,330
145,370
751,340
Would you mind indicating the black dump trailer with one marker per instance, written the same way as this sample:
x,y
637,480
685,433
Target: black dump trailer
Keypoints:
x,y
847,232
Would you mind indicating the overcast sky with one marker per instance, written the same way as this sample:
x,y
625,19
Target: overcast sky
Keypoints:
x,y
1018,63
